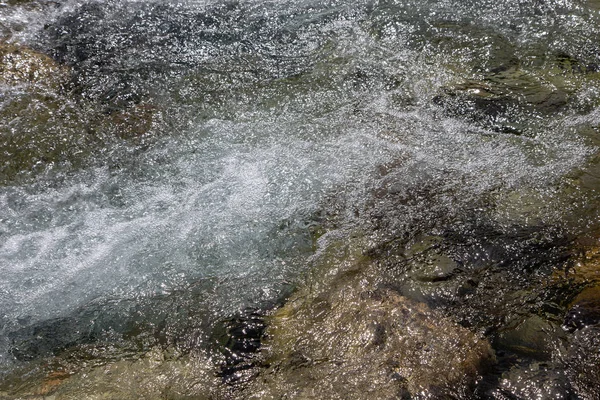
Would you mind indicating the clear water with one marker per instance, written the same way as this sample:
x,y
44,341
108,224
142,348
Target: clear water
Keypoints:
x,y
271,121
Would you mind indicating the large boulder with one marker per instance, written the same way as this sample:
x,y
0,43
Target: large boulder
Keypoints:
x,y
342,337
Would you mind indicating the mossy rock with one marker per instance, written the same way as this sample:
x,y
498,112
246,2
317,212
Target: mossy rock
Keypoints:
x,y
22,65
341,336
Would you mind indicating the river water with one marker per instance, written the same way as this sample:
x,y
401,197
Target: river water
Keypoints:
x,y
267,128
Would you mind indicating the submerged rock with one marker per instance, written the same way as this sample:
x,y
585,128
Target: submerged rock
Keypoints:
x,y
47,125
586,269
533,337
22,65
342,337
18,2
157,375
583,278
503,101
42,131
37,121
579,285
583,362
535,380
584,310
511,99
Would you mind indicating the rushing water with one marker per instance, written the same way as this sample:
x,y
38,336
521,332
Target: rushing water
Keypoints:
x,y
265,125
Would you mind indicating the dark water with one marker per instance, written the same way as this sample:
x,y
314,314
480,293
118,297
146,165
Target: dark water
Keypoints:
x,y
199,156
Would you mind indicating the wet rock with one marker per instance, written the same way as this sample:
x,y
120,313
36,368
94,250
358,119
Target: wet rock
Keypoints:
x,y
586,268
536,380
159,374
583,363
502,101
22,65
43,131
533,337
341,337
584,310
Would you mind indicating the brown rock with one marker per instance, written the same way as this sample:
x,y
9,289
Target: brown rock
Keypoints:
x,y
22,65
340,337
587,268
584,309
157,375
